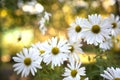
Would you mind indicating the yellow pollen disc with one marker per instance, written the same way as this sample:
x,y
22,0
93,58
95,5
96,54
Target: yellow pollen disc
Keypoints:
x,y
77,28
55,50
117,79
95,29
114,25
27,61
73,73
42,51
72,48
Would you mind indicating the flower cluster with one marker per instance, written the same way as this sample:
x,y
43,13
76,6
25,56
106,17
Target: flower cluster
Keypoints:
x,y
93,30
43,21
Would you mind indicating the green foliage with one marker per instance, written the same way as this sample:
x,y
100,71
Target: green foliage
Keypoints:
x,y
47,73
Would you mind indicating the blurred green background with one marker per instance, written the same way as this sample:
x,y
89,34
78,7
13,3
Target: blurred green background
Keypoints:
x,y
19,28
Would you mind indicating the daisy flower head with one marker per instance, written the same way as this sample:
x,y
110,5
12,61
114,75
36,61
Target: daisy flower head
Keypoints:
x,y
28,60
56,51
97,29
73,71
106,45
76,28
111,74
115,22
75,49
40,47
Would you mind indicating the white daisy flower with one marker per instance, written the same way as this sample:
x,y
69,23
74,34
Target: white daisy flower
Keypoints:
x,y
76,28
27,61
97,29
106,45
73,71
75,49
115,21
111,74
56,52
40,47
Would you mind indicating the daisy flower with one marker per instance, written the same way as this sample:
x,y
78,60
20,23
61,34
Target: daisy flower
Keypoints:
x,y
56,52
73,71
40,47
75,49
97,29
106,45
115,22
76,28
111,74
28,60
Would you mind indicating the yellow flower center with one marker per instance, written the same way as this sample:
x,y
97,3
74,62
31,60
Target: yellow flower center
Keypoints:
x,y
117,79
27,61
73,73
42,51
55,50
72,48
77,28
95,29
114,25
